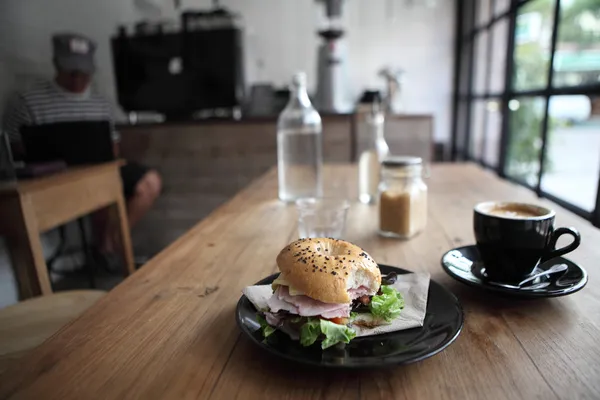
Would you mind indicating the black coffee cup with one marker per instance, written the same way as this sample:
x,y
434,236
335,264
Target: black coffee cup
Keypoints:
x,y
513,238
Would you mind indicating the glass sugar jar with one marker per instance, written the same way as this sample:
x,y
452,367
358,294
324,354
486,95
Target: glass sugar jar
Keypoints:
x,y
402,197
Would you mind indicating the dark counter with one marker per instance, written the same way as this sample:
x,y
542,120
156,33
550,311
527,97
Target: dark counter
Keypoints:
x,y
203,163
245,119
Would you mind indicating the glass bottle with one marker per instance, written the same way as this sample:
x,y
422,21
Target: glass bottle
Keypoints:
x,y
402,197
299,145
372,150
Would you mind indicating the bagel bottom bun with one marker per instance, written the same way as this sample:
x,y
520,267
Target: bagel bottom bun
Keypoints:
x,y
327,270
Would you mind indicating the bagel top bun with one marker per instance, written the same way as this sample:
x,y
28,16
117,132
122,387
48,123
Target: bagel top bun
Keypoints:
x,y
326,269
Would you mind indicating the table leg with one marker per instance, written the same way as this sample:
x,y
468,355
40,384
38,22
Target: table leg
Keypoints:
x,y
26,251
89,263
119,213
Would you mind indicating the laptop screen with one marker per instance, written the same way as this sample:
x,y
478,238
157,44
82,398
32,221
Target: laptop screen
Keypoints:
x,y
76,143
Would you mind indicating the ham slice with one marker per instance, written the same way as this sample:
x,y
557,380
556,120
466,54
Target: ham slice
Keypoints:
x,y
305,306
276,304
272,319
359,292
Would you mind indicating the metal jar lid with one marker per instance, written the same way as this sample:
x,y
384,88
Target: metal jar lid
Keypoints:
x,y
402,161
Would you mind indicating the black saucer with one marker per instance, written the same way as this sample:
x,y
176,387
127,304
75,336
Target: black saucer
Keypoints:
x,y
464,265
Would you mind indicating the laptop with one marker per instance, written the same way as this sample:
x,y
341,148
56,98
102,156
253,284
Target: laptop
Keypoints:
x,y
75,143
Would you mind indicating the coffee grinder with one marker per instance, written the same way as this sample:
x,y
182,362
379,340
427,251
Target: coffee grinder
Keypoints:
x,y
331,60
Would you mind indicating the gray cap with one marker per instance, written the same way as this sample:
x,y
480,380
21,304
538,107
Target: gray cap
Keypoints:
x,y
74,52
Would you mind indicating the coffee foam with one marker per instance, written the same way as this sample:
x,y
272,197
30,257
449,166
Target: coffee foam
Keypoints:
x,y
487,208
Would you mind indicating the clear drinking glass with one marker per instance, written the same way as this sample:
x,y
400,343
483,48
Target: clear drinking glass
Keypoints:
x,y
322,217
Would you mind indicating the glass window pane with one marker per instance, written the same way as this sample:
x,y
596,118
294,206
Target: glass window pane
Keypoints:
x,y
577,57
492,134
480,63
533,36
573,150
483,12
501,6
477,129
498,66
525,139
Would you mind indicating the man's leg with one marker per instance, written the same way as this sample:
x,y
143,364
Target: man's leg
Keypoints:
x,y
141,187
143,197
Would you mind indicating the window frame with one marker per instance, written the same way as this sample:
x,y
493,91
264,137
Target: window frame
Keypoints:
x,y
467,32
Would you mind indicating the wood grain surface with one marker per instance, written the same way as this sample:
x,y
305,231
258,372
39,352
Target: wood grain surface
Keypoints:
x,y
169,332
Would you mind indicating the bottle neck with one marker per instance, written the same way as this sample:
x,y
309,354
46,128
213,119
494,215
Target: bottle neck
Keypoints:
x,y
299,97
380,123
376,127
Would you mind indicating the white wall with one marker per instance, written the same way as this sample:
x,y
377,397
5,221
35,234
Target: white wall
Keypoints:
x,y
417,39
279,32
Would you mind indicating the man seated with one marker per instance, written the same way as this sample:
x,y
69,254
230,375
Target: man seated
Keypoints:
x,y
69,98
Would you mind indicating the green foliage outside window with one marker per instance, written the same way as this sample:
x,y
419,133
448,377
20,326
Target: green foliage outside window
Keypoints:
x,y
532,63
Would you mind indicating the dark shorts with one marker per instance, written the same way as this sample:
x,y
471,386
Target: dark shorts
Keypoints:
x,y
131,174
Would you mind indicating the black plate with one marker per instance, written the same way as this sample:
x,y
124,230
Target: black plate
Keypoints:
x,y
443,322
464,265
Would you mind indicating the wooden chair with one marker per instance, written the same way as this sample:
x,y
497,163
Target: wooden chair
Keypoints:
x,y
27,324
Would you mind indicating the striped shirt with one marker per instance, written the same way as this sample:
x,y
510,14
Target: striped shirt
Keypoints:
x,y
46,103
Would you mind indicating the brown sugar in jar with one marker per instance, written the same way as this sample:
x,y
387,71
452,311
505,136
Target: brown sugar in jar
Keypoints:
x,y
402,197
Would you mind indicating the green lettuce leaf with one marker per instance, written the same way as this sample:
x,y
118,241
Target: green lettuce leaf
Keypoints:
x,y
388,305
267,330
309,332
335,333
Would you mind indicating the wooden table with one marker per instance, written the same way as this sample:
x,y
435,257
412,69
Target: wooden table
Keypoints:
x,y
31,207
169,332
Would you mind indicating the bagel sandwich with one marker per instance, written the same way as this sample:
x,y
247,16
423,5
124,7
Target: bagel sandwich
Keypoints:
x,y
322,283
